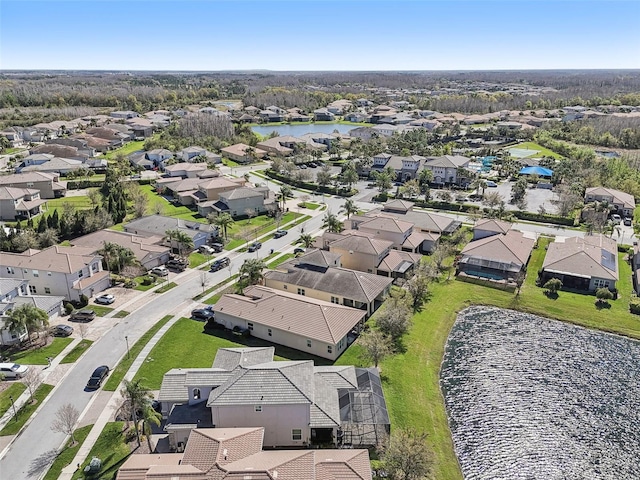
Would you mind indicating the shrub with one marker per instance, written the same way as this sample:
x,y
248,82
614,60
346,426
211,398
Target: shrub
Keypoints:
x,y
84,300
68,308
148,280
130,284
634,306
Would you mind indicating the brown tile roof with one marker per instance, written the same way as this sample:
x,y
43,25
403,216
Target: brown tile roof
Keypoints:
x,y
513,247
343,464
362,244
143,248
53,259
416,238
136,466
591,256
399,205
240,149
395,259
387,224
290,464
623,198
493,225
323,321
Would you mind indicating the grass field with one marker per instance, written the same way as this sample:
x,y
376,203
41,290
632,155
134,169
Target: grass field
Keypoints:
x,y
196,259
157,202
79,203
112,441
125,150
534,146
16,423
67,453
77,351
39,355
14,390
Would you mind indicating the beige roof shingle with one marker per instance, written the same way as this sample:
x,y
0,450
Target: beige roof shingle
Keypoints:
x,y
513,247
591,256
362,244
52,259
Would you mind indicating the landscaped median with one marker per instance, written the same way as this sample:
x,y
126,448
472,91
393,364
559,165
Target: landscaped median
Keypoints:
x,y
24,413
111,447
68,453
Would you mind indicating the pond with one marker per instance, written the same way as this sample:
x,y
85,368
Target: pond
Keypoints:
x,y
532,398
297,130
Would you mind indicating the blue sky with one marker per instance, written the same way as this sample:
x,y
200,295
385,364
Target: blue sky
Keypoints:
x,y
319,35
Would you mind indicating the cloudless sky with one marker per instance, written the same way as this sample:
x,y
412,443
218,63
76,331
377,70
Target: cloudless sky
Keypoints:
x,y
319,35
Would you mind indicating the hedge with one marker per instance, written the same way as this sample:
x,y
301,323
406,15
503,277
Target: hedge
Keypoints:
x,y
312,186
456,207
543,218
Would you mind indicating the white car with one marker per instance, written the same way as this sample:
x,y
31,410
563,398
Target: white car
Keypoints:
x,y
160,271
13,370
106,299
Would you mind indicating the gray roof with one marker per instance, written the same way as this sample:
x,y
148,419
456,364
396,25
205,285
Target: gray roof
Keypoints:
x,y
173,388
241,192
206,376
230,358
158,225
325,411
427,221
43,302
591,256
185,415
338,376
9,284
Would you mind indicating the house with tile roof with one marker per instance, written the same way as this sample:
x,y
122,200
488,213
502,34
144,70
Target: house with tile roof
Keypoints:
x,y
157,226
487,227
68,272
275,316
582,263
449,169
48,184
423,220
236,453
297,403
622,201
497,257
20,203
319,275
239,201
242,153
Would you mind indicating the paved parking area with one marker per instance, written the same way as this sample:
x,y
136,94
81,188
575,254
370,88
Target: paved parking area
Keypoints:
x,y
123,295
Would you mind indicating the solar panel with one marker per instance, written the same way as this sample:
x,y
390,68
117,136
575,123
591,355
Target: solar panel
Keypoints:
x,y
608,259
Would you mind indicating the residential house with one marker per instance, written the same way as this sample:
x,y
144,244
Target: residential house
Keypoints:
x,y
449,169
203,192
229,453
355,117
61,271
271,116
297,403
274,315
20,203
63,166
582,263
487,227
48,184
189,154
319,274
158,225
159,155
622,201
125,114
185,170
422,220
240,201
81,147
339,107
149,251
14,293
14,136
242,153
497,257
283,146
388,227
113,138
59,150
365,133
323,115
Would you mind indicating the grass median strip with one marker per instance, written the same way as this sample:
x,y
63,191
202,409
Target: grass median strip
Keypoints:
x,y
16,423
77,351
121,314
280,260
68,453
121,369
215,287
14,390
166,287
100,310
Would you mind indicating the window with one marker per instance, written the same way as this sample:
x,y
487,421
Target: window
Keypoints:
x,y
301,291
296,434
329,349
309,343
258,408
80,274
32,290
335,300
250,325
196,394
599,283
10,270
49,274
269,331
284,287
47,290
36,273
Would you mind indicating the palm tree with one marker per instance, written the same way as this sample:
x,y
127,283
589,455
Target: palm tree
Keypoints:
x,y
222,221
307,240
251,272
349,208
285,192
125,257
137,397
109,253
332,223
149,416
26,317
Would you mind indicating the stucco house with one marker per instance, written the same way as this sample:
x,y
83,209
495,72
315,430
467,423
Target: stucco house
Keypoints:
x,y
487,227
158,225
582,263
298,404
319,274
48,184
449,169
240,201
387,227
233,453
422,220
20,203
242,153
623,202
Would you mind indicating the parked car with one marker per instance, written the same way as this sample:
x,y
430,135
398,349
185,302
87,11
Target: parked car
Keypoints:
x,y
303,166
217,247
204,314
84,315
61,330
105,299
491,184
254,246
220,263
176,265
13,370
298,250
628,221
616,219
206,250
313,165
241,332
280,233
160,271
97,377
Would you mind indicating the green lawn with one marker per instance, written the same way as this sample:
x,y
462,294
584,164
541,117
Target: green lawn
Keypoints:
x,y
230,163
280,260
100,310
77,351
39,355
167,208
121,314
125,150
141,287
263,223
534,146
196,259
312,206
81,202
14,390
215,287
26,411
118,373
67,454
111,447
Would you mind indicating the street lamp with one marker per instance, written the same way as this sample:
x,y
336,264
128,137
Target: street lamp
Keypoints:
x,y
15,415
126,339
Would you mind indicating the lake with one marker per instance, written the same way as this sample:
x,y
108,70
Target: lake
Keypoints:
x,y
533,398
297,130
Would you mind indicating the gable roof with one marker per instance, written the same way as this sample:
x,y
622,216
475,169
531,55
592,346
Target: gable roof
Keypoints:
x,y
53,259
424,220
398,205
623,198
387,224
398,261
230,358
362,244
591,256
447,161
241,192
158,225
513,247
144,248
493,225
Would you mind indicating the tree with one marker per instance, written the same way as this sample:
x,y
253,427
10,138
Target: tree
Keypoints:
x,y
349,175
251,272
349,208
66,419
285,192
307,240
26,317
149,416
323,177
394,317
250,213
137,397
603,295
519,190
48,237
222,221
553,285
418,287
408,456
331,222
32,380
375,346
425,177
383,180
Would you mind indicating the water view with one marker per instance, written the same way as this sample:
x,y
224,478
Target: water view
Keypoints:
x,y
532,398
297,130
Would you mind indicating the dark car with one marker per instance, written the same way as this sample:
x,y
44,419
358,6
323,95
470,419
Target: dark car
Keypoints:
x,y
254,246
220,263
280,233
84,315
176,265
240,332
217,247
627,221
97,377
204,314
61,330
298,250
